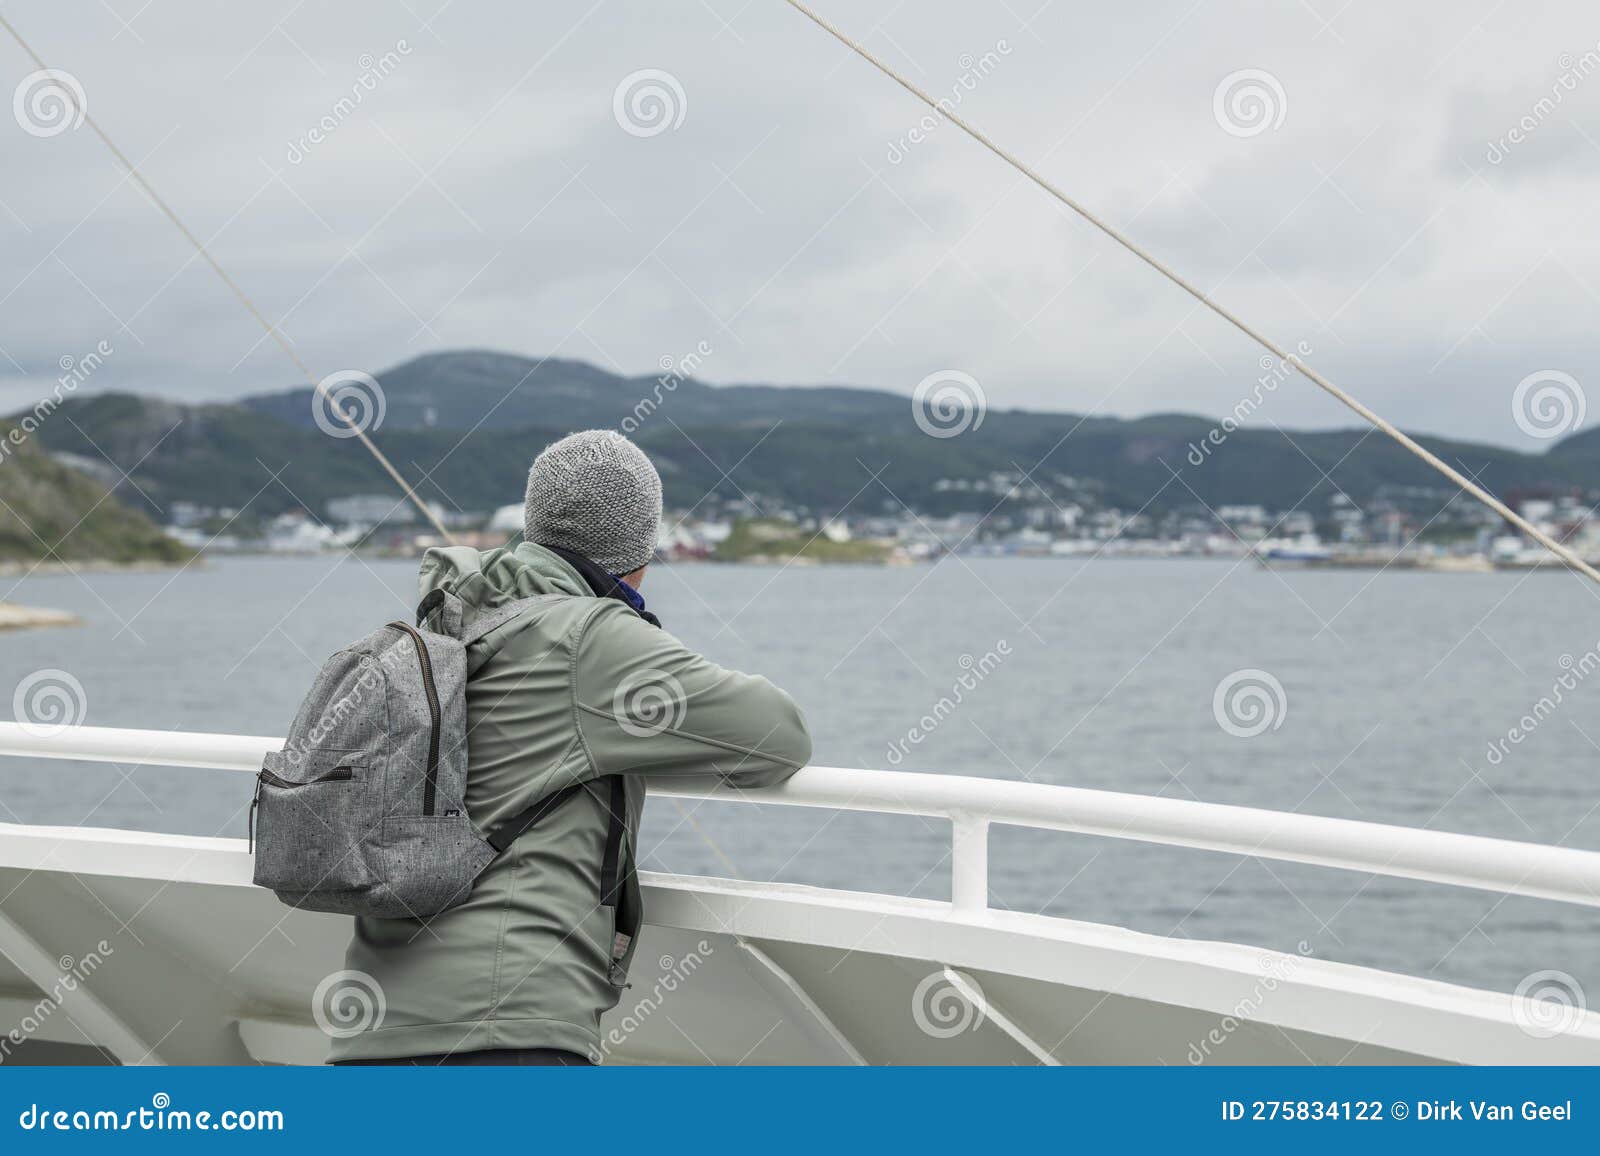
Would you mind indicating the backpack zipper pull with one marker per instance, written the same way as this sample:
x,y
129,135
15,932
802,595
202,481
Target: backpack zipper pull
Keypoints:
x,y
250,818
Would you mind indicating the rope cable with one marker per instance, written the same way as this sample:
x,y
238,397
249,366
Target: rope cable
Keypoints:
x,y
272,330
1285,357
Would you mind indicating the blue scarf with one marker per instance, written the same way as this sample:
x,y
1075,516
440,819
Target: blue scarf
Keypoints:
x,y
604,583
629,594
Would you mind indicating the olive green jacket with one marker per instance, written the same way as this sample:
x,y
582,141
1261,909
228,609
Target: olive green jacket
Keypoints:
x,y
572,690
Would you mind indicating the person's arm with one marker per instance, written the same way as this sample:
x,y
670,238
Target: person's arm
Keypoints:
x,y
648,705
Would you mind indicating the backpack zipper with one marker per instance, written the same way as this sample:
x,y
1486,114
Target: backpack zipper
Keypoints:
x,y
337,774
431,787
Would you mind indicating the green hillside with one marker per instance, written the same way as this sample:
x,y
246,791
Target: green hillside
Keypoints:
x,y
465,426
53,513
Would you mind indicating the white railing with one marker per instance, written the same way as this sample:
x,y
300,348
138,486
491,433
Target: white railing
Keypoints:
x,y
972,805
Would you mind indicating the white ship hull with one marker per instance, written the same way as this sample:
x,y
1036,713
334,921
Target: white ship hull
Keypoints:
x,y
195,965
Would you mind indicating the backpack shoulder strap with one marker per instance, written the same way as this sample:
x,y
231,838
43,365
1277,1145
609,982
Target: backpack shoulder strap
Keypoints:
x,y
449,609
499,616
447,606
508,831
616,827
493,620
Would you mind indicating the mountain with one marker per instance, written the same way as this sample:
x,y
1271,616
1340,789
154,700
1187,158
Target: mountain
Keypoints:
x,y
51,512
1579,453
460,390
464,427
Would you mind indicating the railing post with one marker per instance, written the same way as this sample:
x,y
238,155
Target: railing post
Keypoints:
x,y
969,862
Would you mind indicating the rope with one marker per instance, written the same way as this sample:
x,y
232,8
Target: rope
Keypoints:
x,y
244,298
1284,356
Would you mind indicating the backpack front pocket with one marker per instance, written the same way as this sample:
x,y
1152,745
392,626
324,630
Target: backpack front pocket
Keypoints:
x,y
312,821
429,863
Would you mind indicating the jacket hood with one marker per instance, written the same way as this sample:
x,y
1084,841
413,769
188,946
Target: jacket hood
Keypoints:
x,y
484,579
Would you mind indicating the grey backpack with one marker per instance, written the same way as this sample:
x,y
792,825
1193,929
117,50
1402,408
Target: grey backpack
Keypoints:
x,y
362,810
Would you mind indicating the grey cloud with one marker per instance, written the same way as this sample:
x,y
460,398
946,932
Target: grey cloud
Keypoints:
x,y
772,222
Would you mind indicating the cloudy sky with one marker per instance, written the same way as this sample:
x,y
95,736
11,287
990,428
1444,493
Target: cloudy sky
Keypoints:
x,y
490,188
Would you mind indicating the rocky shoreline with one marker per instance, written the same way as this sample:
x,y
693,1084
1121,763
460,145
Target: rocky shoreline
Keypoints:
x,y
14,617
19,568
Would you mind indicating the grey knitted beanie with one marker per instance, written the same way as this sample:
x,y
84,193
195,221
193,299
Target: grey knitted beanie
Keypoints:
x,y
596,493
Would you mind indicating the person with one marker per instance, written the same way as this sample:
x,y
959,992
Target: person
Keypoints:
x,y
584,690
